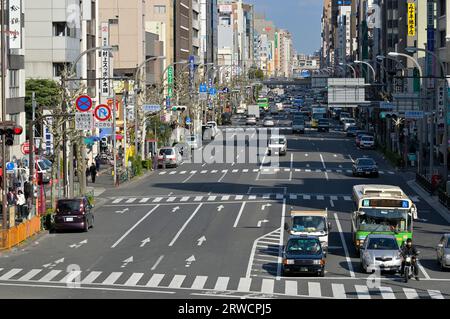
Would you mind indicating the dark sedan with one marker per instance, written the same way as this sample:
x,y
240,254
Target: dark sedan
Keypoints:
x,y
365,167
352,130
303,254
74,214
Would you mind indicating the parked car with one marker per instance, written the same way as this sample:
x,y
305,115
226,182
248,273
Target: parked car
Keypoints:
x,y
251,120
351,131
360,134
367,142
303,254
365,166
443,252
171,155
348,122
74,214
277,145
268,122
343,115
380,252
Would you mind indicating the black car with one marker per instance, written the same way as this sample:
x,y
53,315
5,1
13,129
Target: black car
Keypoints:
x,y
303,254
365,167
352,130
74,214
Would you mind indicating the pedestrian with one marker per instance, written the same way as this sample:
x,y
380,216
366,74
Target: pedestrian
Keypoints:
x,y
27,189
97,162
21,205
93,171
11,197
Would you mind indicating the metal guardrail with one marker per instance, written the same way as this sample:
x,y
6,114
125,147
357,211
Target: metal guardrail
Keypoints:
x,y
425,183
444,198
15,235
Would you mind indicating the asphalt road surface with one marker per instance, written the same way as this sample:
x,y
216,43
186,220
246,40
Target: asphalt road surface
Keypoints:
x,y
212,229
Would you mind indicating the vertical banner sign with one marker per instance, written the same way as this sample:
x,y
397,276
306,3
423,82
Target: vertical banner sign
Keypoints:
x,y
170,81
15,24
105,82
191,73
430,41
411,19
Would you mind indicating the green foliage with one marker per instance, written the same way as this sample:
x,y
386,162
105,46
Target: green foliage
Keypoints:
x,y
48,94
136,165
147,164
392,157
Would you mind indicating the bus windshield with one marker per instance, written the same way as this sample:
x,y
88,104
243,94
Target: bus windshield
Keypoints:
x,y
384,220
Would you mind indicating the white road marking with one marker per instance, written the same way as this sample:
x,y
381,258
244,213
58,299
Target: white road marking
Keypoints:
x,y
306,197
307,170
267,286
291,288
71,276
245,170
162,173
351,158
48,277
185,224
222,283
214,171
323,162
91,277
410,293
157,199
112,278
157,262
116,201
131,200
362,292
171,199
331,203
333,197
184,199
347,198
423,270
29,275
11,273
134,226
187,179
177,281
292,196
199,282
435,294
223,176
338,291
235,171
239,197
320,197
244,284
144,200
239,215
387,293
255,170
344,245
198,198
183,172
314,289
211,198
203,172
281,242
155,280
134,279
173,173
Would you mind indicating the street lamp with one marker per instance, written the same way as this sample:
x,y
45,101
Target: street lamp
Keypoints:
x,y
444,77
370,66
397,54
351,67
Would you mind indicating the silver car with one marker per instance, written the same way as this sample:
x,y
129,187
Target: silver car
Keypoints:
x,y
443,252
380,252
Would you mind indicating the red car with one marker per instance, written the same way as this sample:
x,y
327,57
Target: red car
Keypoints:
x,y
74,214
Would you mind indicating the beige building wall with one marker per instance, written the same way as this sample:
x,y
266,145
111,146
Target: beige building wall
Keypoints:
x,y
127,30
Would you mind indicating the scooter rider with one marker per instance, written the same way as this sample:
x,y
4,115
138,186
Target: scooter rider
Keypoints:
x,y
410,250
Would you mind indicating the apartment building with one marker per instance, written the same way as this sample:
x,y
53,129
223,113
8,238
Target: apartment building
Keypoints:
x,y
208,31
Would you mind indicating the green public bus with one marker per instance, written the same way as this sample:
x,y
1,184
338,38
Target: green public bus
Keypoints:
x,y
381,209
263,103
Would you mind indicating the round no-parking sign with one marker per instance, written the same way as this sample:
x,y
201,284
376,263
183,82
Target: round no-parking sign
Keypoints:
x,y
102,112
83,103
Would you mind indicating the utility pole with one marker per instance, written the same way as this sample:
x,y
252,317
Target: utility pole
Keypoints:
x,y
3,62
114,140
125,140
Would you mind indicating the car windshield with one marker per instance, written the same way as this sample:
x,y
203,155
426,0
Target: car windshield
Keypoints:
x,y
382,244
166,151
68,206
276,141
367,138
304,246
310,224
366,162
383,220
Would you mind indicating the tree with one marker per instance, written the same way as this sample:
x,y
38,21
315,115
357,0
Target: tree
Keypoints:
x,y
48,94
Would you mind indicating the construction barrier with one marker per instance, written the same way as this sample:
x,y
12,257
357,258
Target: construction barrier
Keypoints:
x,y
15,235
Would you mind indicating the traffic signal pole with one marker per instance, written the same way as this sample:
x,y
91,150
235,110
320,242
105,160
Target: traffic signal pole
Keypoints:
x,y
3,62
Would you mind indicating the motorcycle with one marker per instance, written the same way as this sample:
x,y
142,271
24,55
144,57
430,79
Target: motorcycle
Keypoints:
x,y
408,271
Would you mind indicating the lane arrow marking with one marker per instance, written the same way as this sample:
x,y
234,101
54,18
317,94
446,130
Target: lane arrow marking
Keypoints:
x,y
145,241
220,208
127,261
201,240
175,209
262,221
189,261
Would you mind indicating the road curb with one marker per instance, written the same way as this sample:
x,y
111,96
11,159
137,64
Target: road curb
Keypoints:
x,y
432,201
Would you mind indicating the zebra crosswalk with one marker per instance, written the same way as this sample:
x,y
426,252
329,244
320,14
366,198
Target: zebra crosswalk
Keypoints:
x,y
270,287
232,197
265,170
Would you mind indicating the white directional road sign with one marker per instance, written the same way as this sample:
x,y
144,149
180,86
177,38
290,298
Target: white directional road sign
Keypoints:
x,y
84,121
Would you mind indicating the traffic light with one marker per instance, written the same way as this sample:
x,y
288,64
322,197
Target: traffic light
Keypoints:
x,y
8,130
178,108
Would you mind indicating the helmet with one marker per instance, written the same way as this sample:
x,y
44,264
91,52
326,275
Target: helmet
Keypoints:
x,y
409,240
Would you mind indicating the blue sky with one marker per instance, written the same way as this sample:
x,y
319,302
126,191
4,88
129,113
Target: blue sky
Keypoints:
x,y
300,17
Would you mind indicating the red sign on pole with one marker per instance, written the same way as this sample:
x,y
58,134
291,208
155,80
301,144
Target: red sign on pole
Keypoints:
x,y
83,103
25,147
102,112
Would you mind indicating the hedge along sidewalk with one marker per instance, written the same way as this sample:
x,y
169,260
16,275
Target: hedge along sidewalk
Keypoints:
x,y
433,201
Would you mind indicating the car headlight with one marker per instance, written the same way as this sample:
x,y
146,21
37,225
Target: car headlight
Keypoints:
x,y
290,261
317,262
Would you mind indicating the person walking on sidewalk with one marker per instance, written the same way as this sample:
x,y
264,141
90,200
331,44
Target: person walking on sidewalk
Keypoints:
x,y
97,162
93,171
21,201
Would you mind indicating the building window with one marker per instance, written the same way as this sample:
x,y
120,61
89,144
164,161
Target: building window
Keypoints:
x,y
58,68
60,29
159,9
13,83
113,21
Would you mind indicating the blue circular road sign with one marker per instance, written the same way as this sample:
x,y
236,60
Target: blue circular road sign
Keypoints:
x,y
83,103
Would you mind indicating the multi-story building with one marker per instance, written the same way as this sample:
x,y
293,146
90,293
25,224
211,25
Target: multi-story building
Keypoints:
x,y
14,106
264,33
208,31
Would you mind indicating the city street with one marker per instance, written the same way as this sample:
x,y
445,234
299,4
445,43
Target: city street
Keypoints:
x,y
217,230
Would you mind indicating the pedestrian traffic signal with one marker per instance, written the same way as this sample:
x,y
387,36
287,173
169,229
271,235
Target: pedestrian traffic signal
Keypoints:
x,y
8,131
